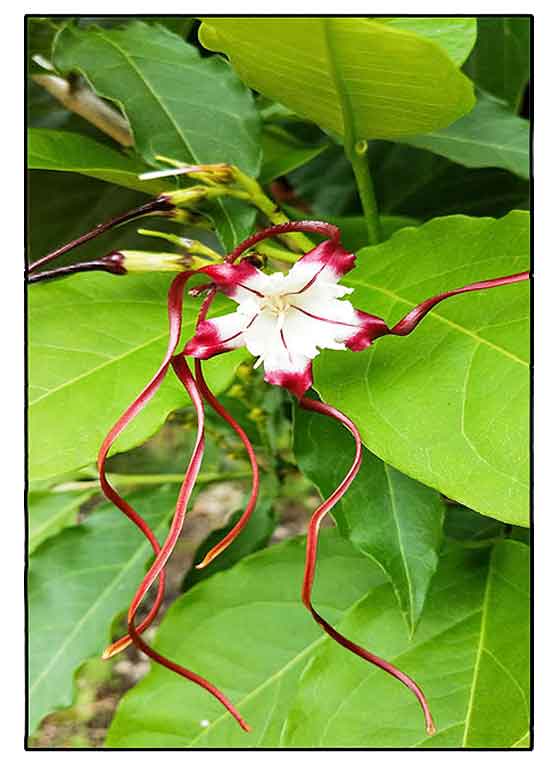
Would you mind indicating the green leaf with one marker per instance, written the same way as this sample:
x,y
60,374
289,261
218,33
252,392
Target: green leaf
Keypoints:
x,y
387,516
389,82
78,581
501,58
490,136
449,404
57,150
247,631
284,153
471,528
457,35
178,104
470,654
95,340
255,535
49,513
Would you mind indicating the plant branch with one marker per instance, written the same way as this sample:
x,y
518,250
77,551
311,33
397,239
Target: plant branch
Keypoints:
x,y
357,155
80,99
123,480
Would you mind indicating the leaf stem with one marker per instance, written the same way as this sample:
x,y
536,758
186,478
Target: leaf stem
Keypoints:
x,y
357,155
149,479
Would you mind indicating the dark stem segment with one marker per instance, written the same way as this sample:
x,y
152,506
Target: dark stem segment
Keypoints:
x,y
211,399
300,226
159,205
181,368
111,263
311,557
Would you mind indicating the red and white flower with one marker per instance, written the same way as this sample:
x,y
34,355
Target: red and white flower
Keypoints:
x,y
285,319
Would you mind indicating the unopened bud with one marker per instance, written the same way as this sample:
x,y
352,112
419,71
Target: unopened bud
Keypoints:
x,y
134,261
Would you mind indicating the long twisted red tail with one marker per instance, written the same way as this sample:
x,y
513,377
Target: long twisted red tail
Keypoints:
x,y
311,556
175,298
182,370
411,320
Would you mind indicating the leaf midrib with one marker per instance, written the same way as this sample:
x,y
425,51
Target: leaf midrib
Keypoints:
x,y
404,559
168,115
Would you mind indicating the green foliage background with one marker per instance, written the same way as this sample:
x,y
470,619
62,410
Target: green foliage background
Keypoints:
x,y
429,563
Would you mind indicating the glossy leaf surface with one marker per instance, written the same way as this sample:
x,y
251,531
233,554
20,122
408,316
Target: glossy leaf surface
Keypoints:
x,y
449,404
159,78
393,519
391,82
470,654
95,340
92,570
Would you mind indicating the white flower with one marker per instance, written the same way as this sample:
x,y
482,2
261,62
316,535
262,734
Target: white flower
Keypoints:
x,y
285,319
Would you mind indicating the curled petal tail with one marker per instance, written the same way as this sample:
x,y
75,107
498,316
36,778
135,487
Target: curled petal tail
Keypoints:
x,y
175,297
304,225
411,320
184,374
311,555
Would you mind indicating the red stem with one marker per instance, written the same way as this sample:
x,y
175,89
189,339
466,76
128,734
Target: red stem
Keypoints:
x,y
311,556
160,204
303,225
111,263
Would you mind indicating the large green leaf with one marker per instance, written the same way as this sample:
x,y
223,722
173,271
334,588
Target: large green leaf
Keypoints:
x,y
471,656
78,581
456,35
283,153
490,136
340,73
449,404
386,515
49,513
56,150
247,631
94,342
178,104
500,60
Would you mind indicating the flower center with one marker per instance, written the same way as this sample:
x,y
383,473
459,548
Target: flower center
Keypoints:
x,y
277,304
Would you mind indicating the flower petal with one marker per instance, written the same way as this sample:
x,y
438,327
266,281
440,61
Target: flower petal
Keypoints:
x,y
241,282
220,334
297,382
368,329
329,259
